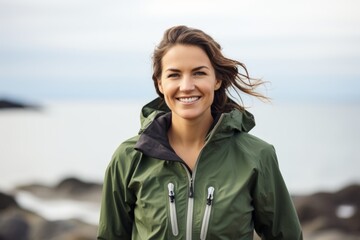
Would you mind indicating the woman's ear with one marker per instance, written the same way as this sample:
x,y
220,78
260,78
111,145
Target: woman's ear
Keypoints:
x,y
160,86
217,84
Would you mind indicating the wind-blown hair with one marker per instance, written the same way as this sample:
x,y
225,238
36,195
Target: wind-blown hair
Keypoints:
x,y
226,70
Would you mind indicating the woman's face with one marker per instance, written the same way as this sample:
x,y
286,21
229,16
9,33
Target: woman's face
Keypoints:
x,y
188,82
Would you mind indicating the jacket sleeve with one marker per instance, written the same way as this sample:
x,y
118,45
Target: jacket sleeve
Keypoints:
x,y
274,213
116,213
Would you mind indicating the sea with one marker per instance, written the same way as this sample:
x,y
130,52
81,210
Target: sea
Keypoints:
x,y
317,145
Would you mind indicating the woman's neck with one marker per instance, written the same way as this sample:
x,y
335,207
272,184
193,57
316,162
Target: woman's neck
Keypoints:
x,y
189,133
187,138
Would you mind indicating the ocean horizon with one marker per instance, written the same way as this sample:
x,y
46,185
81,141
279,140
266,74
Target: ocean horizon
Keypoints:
x,y
317,144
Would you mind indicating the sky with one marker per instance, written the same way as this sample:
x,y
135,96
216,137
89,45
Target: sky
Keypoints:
x,y
307,50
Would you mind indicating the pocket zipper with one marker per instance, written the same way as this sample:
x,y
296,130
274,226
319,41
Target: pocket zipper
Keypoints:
x,y
205,223
173,218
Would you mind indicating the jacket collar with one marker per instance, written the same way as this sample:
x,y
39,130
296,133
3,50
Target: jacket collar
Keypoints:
x,y
153,140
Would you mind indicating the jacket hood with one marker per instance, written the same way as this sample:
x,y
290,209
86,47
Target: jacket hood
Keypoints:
x,y
237,120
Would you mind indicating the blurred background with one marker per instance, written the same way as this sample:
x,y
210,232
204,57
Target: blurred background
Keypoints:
x,y
82,70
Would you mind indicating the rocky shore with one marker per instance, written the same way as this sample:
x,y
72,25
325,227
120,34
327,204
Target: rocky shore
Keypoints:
x,y
330,215
17,222
323,215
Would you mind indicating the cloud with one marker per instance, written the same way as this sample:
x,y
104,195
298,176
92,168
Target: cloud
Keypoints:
x,y
66,24
107,25
79,41
277,17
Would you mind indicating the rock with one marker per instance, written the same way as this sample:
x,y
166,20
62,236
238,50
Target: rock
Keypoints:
x,y
21,224
14,225
74,186
322,211
67,230
7,201
330,235
13,222
69,188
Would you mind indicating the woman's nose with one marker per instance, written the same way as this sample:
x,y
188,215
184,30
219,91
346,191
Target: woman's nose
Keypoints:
x,y
187,84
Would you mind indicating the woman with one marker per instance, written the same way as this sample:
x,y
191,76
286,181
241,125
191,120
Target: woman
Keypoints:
x,y
194,171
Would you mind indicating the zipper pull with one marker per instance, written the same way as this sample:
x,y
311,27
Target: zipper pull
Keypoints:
x,y
171,192
210,195
191,190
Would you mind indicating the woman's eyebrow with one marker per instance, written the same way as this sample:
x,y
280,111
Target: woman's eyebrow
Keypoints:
x,y
198,68
177,70
172,70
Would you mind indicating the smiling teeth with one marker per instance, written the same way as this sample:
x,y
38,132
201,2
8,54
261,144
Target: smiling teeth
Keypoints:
x,y
188,100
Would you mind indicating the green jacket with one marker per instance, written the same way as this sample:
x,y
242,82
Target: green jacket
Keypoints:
x,y
236,186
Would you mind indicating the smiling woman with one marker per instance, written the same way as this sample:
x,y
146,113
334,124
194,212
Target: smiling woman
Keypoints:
x,y
188,82
194,171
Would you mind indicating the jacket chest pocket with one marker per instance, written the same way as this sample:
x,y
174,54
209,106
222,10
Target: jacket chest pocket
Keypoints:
x,y
172,210
207,213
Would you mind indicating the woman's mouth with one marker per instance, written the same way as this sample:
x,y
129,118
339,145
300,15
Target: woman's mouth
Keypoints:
x,y
188,99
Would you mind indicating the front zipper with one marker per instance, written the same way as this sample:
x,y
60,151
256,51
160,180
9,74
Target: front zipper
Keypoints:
x,y
173,217
190,210
205,222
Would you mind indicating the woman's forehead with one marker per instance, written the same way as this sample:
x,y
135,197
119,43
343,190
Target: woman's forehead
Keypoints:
x,y
180,56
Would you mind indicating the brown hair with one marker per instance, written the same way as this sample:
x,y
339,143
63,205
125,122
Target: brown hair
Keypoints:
x,y
226,70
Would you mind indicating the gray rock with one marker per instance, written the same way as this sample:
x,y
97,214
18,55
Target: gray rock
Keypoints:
x,y
320,211
69,188
20,224
13,225
7,201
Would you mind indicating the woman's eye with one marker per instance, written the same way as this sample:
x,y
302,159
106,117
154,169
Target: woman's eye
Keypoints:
x,y
173,75
199,73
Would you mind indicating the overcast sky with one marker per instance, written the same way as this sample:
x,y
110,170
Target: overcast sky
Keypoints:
x,y
85,49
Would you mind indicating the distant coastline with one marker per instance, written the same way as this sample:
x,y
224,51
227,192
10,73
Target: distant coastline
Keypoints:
x,y
16,104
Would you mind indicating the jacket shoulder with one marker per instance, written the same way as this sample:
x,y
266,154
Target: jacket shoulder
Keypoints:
x,y
125,155
258,151
253,142
127,146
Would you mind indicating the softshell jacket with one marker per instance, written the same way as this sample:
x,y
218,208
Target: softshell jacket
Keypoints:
x,y
236,186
